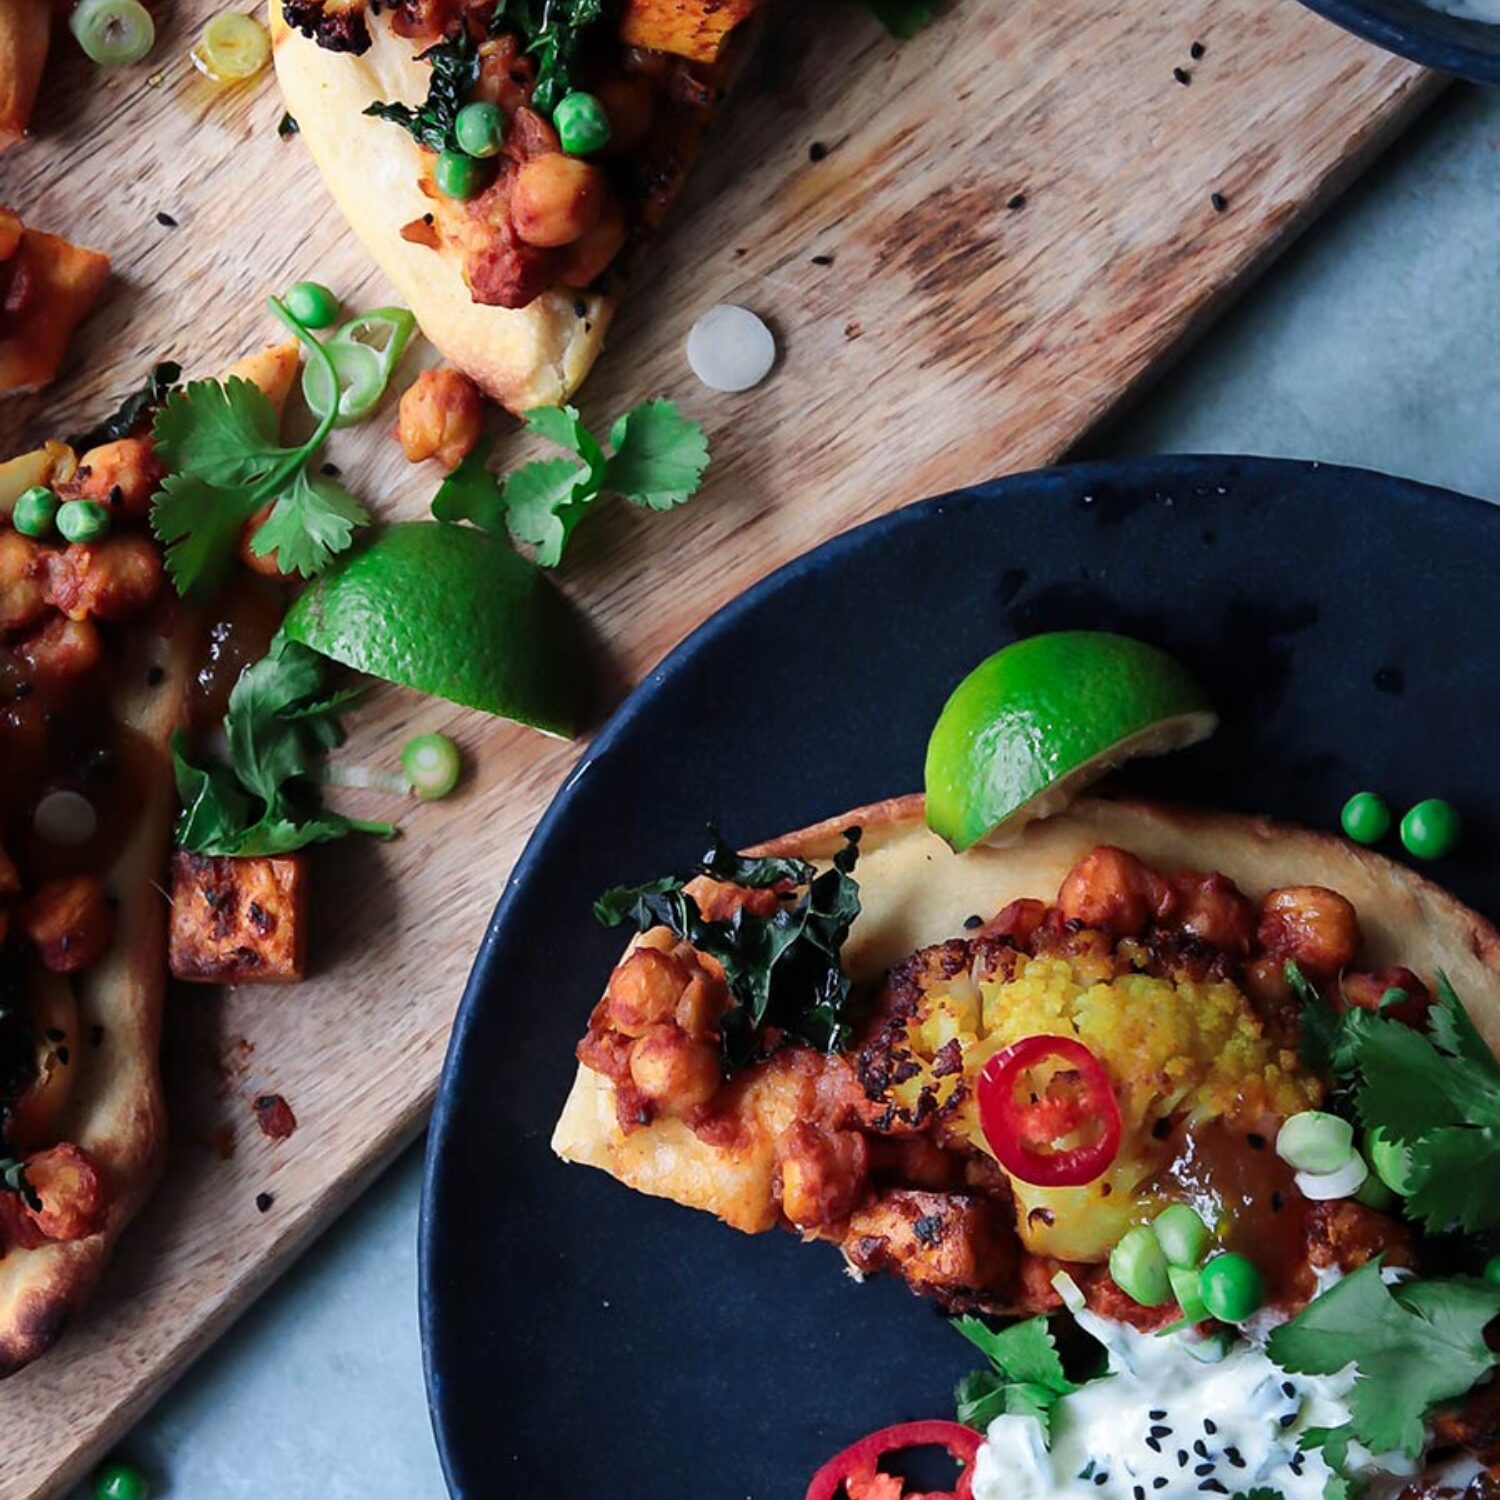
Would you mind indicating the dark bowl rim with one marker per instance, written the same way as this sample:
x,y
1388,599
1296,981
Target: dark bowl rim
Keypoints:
x,y
1417,41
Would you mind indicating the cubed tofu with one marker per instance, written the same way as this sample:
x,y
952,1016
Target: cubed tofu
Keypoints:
x,y
239,921
695,29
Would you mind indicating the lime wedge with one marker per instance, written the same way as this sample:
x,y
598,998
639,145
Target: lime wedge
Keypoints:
x,y
1035,723
455,612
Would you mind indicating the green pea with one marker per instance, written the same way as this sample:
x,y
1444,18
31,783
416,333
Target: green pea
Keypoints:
x,y
1390,1160
35,511
479,129
1431,829
1140,1269
1491,1272
83,520
1366,817
1187,1288
117,1481
1182,1235
312,304
582,124
1232,1288
458,175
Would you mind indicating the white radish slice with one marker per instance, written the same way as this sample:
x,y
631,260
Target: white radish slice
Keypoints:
x,y
65,819
730,349
1347,1180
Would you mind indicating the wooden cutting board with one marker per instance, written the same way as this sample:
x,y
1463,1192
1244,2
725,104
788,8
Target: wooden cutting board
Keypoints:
x,y
971,247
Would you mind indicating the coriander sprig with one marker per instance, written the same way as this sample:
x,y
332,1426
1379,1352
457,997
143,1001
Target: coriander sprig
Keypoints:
x,y
221,441
1025,1375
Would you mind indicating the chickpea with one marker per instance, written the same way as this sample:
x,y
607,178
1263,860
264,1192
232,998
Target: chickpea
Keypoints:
x,y
674,1072
822,1174
71,923
1016,922
1314,926
1113,890
555,199
123,474
590,255
702,1004
441,417
1367,990
1265,983
23,598
110,580
1213,909
644,991
63,650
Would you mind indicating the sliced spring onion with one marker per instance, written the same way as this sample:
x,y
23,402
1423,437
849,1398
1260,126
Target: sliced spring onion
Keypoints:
x,y
65,819
1182,1235
360,383
113,33
1314,1141
1187,1288
1391,1161
386,330
364,778
433,764
1373,1193
1139,1268
1342,1183
1210,1349
233,47
1070,1292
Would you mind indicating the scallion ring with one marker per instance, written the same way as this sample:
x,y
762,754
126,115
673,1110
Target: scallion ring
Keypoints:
x,y
433,764
1322,1187
233,47
113,33
1315,1141
360,383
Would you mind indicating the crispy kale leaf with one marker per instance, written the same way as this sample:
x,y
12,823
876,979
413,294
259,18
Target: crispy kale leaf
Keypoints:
x,y
783,970
455,70
280,724
1413,1344
133,410
903,18
552,32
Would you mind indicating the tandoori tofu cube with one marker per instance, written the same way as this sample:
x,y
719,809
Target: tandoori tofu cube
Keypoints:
x,y
239,921
695,29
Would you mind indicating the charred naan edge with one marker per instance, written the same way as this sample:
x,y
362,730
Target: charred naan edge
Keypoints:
x,y
115,1111
523,357
916,891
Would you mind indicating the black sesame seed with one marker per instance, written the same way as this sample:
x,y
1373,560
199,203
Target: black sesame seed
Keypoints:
x,y
1256,1141
1139,1491
263,1201
1288,1389
1016,202
1181,1459
166,221
1210,1426
822,260
817,151
973,921
1101,1477
1213,1487
1288,1419
1157,1414
1200,1448
1160,1431
1160,1482
1295,1464
1154,1444
1235,1457
1219,201
1182,76
1206,1468
1196,51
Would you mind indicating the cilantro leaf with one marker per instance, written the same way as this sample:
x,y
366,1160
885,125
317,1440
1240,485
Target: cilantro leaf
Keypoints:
x,y
659,456
903,18
265,801
1452,1030
132,410
1025,1378
544,501
980,1397
223,433
1412,1345
562,425
455,71
199,526
471,493
784,969
311,522
1455,1170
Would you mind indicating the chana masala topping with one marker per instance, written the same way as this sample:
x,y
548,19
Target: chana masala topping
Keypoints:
x,y
556,136
1008,1104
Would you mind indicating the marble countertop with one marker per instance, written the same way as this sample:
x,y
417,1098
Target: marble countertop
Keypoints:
x,y
1374,342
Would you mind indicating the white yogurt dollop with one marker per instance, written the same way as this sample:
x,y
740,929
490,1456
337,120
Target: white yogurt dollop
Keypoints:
x,y
1165,1426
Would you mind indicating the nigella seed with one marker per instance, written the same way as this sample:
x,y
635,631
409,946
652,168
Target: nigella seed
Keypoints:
x,y
971,922
1160,1430
1256,1141
1196,51
1182,76
1295,1464
1213,1487
1160,1482
1200,1448
1153,1444
1139,1491
1288,1419
1101,1477
1181,1459
1210,1426
1157,1414
1201,1469
1235,1457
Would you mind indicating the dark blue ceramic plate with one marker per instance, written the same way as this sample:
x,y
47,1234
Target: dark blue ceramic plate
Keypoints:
x,y
1455,44
582,1340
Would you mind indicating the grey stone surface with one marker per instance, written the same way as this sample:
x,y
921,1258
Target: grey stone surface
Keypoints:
x,y
1376,341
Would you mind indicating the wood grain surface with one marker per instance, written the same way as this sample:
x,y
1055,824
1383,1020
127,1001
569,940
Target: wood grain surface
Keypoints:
x,y
958,332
